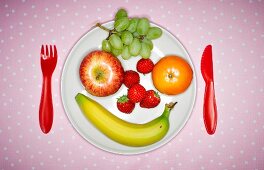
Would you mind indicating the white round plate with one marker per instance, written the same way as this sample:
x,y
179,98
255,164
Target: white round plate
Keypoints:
x,y
71,85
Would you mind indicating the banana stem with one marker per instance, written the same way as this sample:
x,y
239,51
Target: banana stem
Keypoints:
x,y
171,105
168,108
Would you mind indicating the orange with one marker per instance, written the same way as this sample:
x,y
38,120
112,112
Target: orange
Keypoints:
x,y
172,75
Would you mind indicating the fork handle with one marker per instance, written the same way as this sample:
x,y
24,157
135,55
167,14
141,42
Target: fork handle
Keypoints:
x,y
209,109
46,107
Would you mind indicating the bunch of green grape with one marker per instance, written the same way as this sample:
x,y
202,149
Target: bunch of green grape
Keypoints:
x,y
131,36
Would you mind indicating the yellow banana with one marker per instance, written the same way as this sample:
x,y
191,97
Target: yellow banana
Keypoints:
x,y
123,132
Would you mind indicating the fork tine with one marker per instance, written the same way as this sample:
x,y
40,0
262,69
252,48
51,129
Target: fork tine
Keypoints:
x,y
55,51
51,51
42,50
47,51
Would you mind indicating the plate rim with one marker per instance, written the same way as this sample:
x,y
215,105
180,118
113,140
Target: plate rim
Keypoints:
x,y
101,147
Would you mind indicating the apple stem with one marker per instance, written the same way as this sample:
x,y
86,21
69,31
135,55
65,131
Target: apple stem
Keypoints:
x,y
98,76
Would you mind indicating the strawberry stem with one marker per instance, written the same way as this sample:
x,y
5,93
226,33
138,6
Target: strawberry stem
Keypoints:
x,y
122,99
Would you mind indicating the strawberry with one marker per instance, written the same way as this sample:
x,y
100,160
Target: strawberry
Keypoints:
x,y
125,105
136,93
151,99
131,77
145,65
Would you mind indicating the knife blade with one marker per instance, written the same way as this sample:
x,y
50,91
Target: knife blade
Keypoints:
x,y
209,107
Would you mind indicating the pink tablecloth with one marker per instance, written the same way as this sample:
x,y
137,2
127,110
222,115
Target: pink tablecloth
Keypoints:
x,y
234,28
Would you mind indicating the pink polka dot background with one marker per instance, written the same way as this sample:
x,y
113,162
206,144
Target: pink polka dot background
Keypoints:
x,y
234,28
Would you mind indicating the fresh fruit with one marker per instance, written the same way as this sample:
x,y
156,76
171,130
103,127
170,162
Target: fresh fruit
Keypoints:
x,y
154,33
121,24
116,52
172,75
148,42
125,105
145,66
106,46
133,25
136,93
125,53
101,73
151,99
120,13
145,50
116,42
130,36
131,78
135,47
123,132
143,26
136,35
127,37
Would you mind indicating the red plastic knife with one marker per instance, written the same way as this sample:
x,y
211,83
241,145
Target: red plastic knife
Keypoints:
x,y
209,107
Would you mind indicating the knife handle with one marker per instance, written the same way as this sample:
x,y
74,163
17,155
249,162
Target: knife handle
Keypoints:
x,y
209,109
46,107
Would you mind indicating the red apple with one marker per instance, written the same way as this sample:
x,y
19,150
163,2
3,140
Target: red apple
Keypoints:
x,y
101,73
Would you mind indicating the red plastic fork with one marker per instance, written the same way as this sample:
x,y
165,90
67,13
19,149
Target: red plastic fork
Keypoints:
x,y
48,60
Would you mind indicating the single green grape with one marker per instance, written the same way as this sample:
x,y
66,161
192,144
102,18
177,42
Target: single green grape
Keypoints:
x,y
154,33
120,13
143,26
115,42
121,24
145,51
127,37
136,35
133,25
134,47
106,46
148,42
125,53
116,52
118,34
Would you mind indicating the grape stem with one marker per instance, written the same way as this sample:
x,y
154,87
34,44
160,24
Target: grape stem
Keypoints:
x,y
141,37
102,27
113,31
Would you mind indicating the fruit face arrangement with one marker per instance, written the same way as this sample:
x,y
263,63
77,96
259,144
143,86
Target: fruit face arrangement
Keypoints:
x,y
102,74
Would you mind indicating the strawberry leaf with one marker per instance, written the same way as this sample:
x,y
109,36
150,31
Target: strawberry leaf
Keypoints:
x,y
123,99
